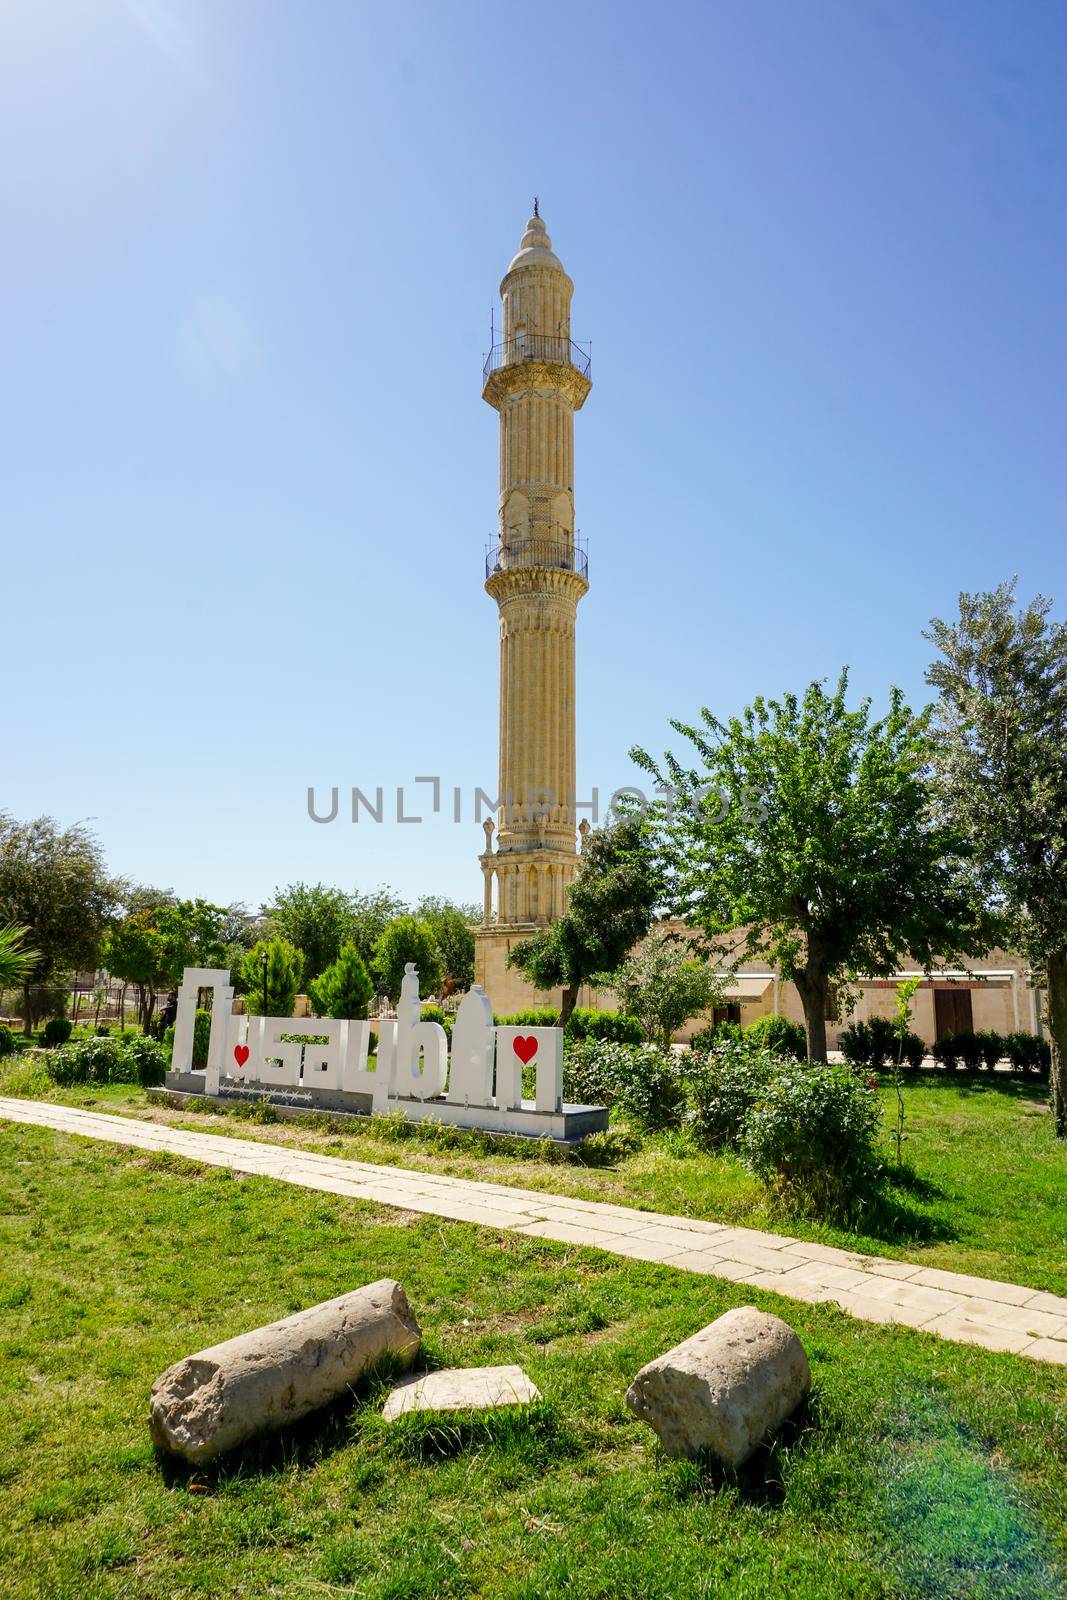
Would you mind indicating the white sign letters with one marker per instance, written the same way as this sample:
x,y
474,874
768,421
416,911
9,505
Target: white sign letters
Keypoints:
x,y
322,1062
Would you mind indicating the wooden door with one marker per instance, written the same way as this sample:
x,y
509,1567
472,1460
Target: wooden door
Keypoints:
x,y
952,1012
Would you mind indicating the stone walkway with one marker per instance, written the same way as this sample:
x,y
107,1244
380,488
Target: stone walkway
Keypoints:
x,y
998,1316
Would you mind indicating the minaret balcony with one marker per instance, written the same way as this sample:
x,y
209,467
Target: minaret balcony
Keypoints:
x,y
537,347
555,555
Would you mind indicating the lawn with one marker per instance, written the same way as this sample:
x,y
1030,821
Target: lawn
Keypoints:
x,y
919,1468
984,1191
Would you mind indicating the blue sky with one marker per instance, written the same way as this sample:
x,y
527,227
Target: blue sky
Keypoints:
x,y
246,476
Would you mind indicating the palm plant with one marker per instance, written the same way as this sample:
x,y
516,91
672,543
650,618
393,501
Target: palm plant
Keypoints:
x,y
17,961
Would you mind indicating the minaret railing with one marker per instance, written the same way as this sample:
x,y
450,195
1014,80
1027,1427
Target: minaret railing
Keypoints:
x,y
559,555
537,347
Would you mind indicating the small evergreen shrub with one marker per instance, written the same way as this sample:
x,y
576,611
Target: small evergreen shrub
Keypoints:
x,y
644,1083
946,1054
778,1037
872,1044
57,1031
720,1033
970,1051
103,1031
914,1052
1028,1053
7,1040
724,1085
811,1137
992,1049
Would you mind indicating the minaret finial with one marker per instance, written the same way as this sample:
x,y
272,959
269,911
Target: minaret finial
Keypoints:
x,y
536,211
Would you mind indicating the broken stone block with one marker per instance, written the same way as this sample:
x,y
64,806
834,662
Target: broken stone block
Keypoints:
x,y
725,1389
461,1389
215,1400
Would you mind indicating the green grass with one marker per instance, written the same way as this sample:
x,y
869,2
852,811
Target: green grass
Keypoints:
x,y
984,1190
918,1469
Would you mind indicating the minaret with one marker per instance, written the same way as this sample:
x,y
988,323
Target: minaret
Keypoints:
x,y
537,572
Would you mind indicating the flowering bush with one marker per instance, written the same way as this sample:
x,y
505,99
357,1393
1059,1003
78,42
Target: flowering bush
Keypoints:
x,y
723,1086
811,1137
645,1083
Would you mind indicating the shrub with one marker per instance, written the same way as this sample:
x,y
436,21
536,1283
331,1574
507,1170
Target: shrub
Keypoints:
x,y
723,1087
532,1017
992,1048
811,1137
103,1031
645,1083
615,1026
946,1054
870,1044
57,1031
133,1059
778,1036
914,1051
1028,1053
720,1033
7,1041
970,1050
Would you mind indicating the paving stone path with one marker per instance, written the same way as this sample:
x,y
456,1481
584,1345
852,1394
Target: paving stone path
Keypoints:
x,y
998,1316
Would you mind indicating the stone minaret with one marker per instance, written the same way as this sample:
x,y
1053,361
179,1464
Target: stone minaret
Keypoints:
x,y
536,572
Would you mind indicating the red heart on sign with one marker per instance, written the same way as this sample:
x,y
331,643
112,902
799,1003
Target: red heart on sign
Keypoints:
x,y
240,1054
525,1049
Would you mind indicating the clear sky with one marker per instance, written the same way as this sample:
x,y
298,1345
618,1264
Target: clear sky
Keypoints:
x,y
246,475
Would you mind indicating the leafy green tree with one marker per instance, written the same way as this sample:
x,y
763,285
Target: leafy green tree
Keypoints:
x,y
663,985
609,909
453,927
344,989
53,883
371,915
806,836
316,918
1001,764
285,970
407,939
154,943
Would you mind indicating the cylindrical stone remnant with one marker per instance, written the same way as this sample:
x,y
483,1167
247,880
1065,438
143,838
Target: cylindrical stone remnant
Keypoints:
x,y
725,1389
213,1401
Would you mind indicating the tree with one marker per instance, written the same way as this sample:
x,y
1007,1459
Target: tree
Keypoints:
x,y
610,908
285,969
53,883
662,985
153,944
371,915
1000,742
316,918
344,989
407,939
453,927
807,837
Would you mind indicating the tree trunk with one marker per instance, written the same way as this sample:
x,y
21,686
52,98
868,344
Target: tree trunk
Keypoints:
x,y
122,1010
1057,1027
813,987
567,1004
27,1014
